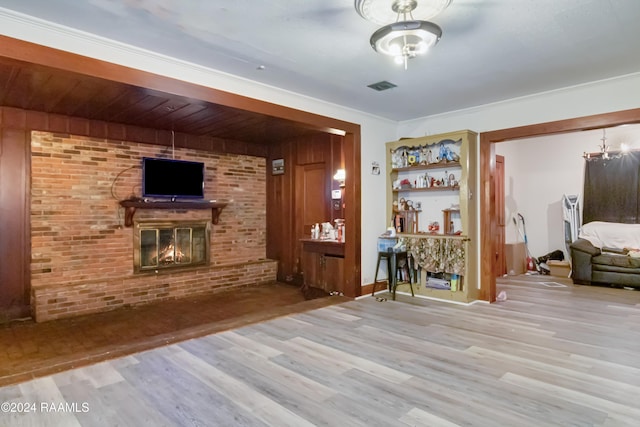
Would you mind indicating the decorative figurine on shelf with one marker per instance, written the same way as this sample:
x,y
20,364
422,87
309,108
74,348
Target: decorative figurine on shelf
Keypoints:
x,y
446,154
415,152
396,161
402,204
423,155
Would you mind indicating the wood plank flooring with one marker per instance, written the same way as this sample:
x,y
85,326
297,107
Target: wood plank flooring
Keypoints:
x,y
551,355
29,349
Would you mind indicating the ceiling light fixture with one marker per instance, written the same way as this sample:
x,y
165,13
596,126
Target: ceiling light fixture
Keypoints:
x,y
382,12
407,37
604,148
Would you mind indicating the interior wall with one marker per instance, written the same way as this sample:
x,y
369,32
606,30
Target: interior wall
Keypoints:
x,y
285,227
539,171
605,96
14,230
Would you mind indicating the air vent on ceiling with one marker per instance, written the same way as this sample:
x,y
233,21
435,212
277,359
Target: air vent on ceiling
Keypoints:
x,y
383,85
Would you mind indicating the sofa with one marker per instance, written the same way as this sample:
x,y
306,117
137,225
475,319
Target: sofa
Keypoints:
x,y
606,254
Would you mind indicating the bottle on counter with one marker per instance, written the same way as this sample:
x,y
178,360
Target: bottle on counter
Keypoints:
x,y
339,227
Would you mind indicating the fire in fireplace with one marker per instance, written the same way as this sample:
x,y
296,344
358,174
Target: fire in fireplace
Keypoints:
x,y
172,244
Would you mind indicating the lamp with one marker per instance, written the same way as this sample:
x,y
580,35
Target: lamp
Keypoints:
x,y
338,195
605,153
407,37
340,176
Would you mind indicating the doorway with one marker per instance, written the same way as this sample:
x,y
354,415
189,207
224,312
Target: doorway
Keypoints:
x,y
488,207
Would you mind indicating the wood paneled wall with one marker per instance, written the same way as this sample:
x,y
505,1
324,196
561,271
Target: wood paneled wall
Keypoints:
x,y
14,228
286,223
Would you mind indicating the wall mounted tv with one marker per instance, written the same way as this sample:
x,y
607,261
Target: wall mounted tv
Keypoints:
x,y
169,178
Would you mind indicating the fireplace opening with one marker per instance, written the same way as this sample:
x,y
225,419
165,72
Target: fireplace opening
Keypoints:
x,y
161,245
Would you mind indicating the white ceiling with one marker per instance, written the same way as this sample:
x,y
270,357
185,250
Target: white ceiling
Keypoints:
x,y
490,50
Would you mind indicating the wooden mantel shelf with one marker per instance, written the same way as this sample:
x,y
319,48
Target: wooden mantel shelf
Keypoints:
x,y
130,207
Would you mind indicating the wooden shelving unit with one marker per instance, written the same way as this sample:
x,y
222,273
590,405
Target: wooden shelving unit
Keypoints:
x,y
459,202
130,207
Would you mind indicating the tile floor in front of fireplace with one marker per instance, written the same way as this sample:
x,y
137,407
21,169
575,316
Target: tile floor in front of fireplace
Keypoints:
x,y
29,349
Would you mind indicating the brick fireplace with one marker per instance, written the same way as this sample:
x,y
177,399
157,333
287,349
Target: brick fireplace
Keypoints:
x,y
82,255
170,244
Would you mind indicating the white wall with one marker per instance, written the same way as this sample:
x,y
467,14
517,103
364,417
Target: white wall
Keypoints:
x,y
539,171
373,197
603,96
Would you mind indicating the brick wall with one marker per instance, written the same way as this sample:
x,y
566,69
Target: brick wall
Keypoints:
x,y
81,253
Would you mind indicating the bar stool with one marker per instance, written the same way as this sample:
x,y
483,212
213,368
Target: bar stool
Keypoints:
x,y
392,259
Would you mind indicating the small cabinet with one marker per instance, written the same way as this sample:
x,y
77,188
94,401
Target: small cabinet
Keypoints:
x,y
323,264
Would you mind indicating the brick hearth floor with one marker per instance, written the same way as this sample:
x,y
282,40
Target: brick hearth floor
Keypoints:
x,y
29,349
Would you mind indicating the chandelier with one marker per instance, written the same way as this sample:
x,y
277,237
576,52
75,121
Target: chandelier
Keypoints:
x,y
604,152
410,35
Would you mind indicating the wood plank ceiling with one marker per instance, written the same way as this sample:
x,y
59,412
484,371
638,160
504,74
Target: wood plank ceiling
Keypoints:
x,y
35,87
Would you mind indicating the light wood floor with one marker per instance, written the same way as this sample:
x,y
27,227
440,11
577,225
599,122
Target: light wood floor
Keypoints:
x,y
551,355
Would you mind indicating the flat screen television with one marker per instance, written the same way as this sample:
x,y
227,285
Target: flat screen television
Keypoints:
x,y
174,179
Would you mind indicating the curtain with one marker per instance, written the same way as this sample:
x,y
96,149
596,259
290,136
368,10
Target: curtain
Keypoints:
x,y
437,254
611,189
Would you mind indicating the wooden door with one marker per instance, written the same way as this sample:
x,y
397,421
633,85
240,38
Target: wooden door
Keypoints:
x,y
312,200
500,232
